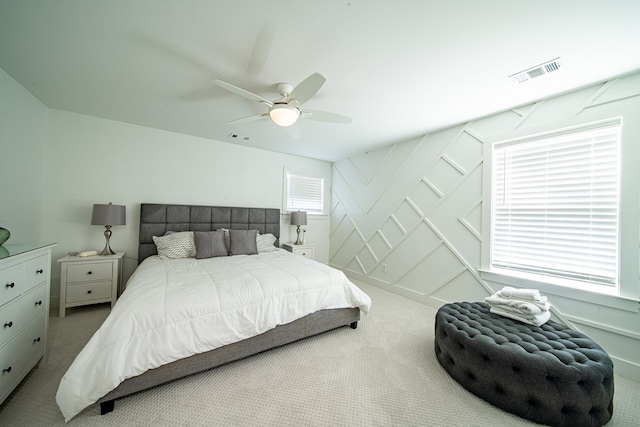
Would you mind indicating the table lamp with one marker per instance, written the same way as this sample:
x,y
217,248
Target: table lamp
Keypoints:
x,y
298,218
108,215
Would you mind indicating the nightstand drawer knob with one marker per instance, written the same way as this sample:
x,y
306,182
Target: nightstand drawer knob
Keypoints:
x,y
10,285
39,271
7,370
37,340
89,272
38,302
89,291
8,324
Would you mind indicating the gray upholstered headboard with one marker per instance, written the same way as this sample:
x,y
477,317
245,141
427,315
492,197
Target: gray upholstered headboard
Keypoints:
x,y
157,219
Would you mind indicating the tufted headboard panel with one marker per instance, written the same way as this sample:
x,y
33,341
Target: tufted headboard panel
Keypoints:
x,y
157,219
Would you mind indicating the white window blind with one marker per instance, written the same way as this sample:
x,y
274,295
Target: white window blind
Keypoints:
x,y
555,204
305,193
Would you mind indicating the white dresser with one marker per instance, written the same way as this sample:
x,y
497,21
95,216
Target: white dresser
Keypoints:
x,y
24,310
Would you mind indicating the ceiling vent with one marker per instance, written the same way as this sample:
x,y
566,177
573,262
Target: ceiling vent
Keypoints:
x,y
537,71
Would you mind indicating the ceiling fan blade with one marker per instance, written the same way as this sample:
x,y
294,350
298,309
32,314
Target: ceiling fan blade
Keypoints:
x,y
249,119
239,91
323,116
307,88
260,51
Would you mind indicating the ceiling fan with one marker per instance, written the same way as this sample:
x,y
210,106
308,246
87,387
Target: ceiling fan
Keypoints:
x,y
287,110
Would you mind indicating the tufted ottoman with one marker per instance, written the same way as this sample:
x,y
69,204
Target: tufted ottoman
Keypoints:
x,y
550,374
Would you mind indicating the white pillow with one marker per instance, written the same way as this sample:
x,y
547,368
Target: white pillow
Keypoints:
x,y
227,238
176,245
265,242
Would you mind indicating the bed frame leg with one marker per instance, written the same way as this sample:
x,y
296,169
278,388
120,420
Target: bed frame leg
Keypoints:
x,y
353,325
107,406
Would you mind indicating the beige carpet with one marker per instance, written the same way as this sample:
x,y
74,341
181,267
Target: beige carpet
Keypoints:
x,y
382,374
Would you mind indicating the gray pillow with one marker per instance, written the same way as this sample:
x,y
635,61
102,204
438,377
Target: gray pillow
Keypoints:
x,y
210,244
243,242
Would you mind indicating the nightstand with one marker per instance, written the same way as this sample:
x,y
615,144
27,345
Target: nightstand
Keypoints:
x,y
89,280
302,250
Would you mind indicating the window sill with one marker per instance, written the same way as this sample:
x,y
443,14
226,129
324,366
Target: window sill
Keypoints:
x,y
607,297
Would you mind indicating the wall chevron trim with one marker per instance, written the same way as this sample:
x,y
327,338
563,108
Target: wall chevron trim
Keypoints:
x,y
525,116
468,225
361,173
586,322
455,165
391,175
429,184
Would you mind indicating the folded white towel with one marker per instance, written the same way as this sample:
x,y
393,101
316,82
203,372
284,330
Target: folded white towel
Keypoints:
x,y
526,294
535,320
524,306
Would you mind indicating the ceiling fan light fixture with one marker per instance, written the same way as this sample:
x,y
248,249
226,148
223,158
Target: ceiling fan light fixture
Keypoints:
x,y
284,115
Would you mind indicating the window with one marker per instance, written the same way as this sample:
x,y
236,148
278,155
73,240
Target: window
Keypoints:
x,y
555,204
304,192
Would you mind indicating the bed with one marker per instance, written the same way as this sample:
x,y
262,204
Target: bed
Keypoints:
x,y
202,312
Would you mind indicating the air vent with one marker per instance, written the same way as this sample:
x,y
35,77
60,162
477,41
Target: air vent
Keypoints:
x,y
236,136
537,71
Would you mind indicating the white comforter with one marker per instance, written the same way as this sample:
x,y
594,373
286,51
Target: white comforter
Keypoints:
x,y
176,308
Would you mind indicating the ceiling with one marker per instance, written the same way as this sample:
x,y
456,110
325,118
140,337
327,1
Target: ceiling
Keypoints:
x,y
398,68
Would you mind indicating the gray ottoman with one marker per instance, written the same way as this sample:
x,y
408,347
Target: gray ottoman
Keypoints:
x,y
549,374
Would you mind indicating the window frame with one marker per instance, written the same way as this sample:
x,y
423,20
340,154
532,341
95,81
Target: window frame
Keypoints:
x,y
308,174
627,293
534,151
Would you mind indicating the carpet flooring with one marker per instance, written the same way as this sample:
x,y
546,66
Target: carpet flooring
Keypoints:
x,y
384,373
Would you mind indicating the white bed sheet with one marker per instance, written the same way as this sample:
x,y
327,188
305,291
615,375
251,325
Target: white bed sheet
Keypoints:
x,y
176,308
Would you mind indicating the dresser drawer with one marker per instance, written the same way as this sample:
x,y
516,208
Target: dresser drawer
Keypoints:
x,y
23,350
11,282
36,271
17,314
85,292
89,272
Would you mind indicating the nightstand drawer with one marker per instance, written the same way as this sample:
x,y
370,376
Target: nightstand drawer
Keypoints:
x,y
88,292
89,272
305,252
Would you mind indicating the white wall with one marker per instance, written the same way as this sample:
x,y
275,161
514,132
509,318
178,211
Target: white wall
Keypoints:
x,y
92,160
23,124
409,217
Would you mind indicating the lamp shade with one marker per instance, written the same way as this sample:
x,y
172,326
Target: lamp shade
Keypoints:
x,y
298,218
108,214
284,115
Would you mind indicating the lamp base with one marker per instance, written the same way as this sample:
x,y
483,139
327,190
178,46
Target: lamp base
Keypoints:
x,y
298,242
107,249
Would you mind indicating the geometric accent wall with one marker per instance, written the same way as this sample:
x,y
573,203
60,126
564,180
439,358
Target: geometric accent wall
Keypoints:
x,y
408,217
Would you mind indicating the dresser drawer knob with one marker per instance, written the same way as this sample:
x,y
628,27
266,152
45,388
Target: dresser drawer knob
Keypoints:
x,y
10,285
89,291
37,340
89,272
8,324
38,302
7,370
40,271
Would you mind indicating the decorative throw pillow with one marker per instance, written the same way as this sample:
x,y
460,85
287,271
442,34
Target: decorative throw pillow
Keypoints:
x,y
265,242
176,245
243,242
227,239
210,244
